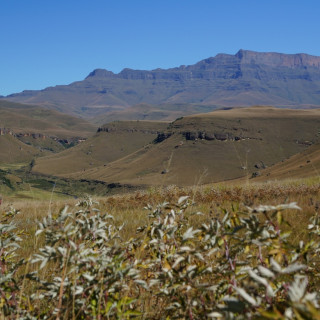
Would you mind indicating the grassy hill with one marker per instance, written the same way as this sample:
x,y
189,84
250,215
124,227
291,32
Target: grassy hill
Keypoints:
x,y
35,119
14,151
301,165
114,141
205,148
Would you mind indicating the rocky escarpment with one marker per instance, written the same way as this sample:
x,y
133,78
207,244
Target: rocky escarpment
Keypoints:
x,y
4,131
23,136
204,135
162,136
130,130
141,127
192,129
223,66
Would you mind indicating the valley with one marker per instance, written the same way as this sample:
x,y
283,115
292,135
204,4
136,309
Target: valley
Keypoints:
x,y
237,145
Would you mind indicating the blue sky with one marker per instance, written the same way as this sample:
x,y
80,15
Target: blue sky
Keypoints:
x,y
46,43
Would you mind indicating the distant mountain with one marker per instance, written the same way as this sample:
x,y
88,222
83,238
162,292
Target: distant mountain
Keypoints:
x,y
244,79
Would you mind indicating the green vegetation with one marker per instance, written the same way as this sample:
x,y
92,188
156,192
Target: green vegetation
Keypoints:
x,y
17,182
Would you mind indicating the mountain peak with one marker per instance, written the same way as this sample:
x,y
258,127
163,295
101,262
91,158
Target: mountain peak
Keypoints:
x,y
240,53
100,73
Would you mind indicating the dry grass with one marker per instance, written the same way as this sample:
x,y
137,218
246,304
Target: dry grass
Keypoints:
x,y
211,200
154,254
255,136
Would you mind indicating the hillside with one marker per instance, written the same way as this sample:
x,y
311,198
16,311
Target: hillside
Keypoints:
x,y
216,146
22,118
113,141
301,165
14,151
244,79
143,111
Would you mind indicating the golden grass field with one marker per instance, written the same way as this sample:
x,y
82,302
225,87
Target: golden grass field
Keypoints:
x,y
128,210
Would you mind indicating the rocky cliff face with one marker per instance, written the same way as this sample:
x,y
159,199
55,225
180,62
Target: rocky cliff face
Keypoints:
x,y
244,79
274,59
222,66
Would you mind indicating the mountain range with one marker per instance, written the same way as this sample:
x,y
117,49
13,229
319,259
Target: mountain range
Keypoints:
x,y
244,79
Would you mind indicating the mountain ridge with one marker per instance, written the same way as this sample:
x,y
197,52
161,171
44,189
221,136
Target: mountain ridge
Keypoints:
x,y
243,79
274,59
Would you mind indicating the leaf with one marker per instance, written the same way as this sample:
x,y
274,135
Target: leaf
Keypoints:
x,y
207,270
185,249
294,268
275,265
142,283
177,261
183,199
191,268
266,272
88,276
63,251
263,281
198,213
38,232
246,296
298,288
79,290
266,208
212,288
43,263
189,234
199,256
259,279
214,315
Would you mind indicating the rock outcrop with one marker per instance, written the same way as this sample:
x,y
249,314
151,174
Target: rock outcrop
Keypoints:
x,y
221,136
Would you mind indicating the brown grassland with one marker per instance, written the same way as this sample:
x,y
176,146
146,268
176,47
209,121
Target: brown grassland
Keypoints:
x,y
148,273
244,138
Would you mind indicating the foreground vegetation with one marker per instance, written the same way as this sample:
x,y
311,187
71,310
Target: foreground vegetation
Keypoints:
x,y
198,253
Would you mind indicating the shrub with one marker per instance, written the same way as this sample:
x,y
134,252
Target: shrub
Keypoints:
x,y
181,264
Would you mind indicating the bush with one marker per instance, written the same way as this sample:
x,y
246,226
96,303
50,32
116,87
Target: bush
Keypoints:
x,y
180,265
